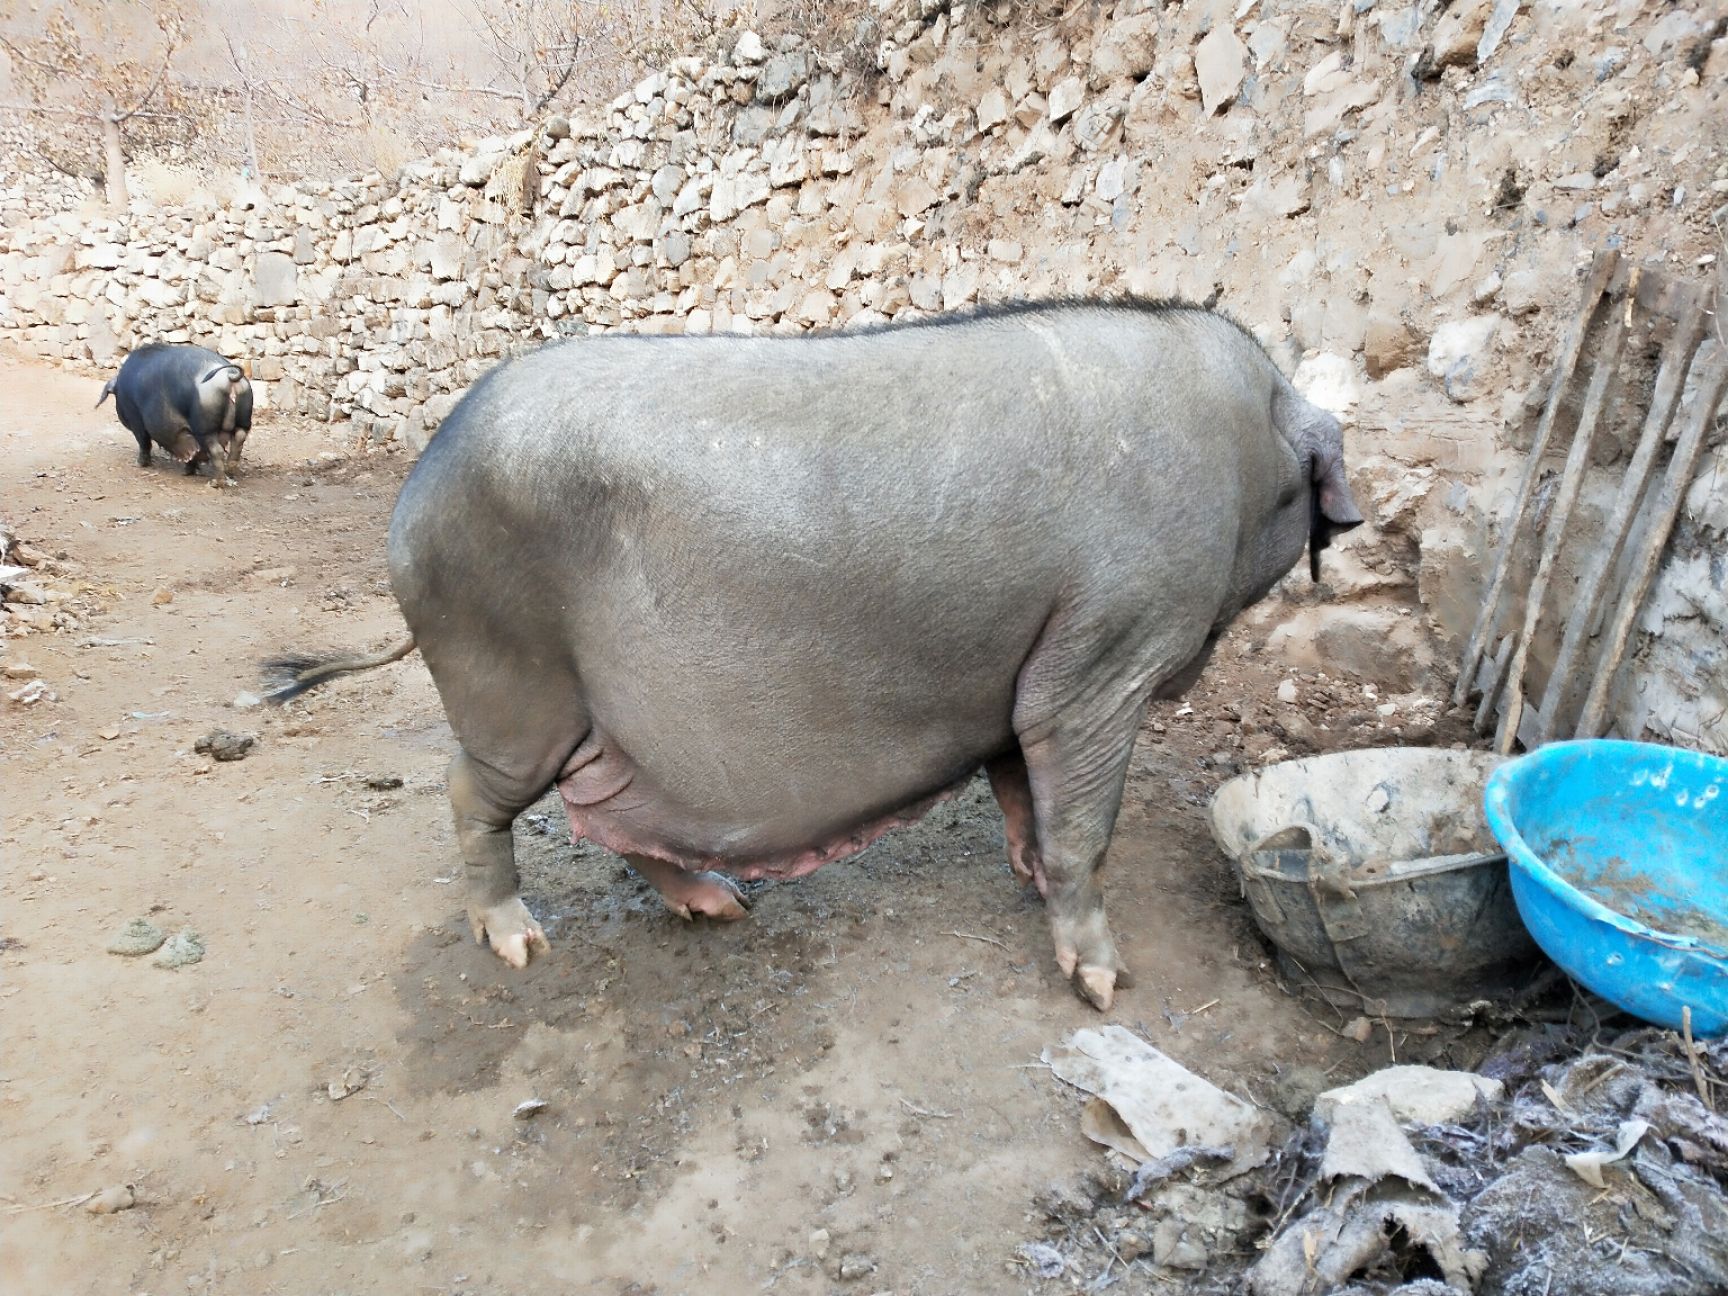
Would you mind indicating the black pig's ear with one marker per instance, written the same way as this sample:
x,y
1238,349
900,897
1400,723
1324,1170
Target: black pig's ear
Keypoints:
x,y
1331,508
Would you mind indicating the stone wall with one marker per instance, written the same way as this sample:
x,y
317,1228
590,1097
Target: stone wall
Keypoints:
x,y
1397,198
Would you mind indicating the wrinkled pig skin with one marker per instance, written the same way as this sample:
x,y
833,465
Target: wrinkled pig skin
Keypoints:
x,y
190,401
750,602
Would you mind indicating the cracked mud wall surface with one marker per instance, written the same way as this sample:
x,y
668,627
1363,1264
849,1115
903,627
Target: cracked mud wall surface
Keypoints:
x,y
1398,199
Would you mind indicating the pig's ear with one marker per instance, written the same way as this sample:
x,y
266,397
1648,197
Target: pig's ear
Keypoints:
x,y
1332,509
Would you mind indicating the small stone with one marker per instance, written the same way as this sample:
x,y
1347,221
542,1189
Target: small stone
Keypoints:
x,y
225,745
749,49
1328,380
992,109
109,734
246,701
181,950
1287,691
1458,354
111,1201
1220,61
529,1108
1173,1248
819,1243
1459,32
162,596
856,1266
1065,98
1520,294
26,593
136,939
1388,343
1127,49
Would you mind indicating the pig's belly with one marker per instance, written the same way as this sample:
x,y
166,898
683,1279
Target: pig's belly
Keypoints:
x,y
614,802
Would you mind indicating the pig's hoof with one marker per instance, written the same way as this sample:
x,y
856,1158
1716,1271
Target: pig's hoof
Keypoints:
x,y
1098,985
514,934
713,895
1088,958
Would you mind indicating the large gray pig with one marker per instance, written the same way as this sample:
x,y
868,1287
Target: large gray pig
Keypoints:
x,y
750,603
190,401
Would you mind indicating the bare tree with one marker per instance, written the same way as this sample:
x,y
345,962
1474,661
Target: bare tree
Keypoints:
x,y
237,53
533,44
72,78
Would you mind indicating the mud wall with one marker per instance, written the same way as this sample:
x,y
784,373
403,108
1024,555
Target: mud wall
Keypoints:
x,y
1398,199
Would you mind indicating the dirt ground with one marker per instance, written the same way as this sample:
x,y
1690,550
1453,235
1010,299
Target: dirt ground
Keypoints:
x,y
843,1092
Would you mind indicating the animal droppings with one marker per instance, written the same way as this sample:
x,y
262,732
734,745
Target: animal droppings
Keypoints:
x,y
136,939
181,950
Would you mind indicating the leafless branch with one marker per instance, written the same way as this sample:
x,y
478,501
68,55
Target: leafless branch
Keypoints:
x,y
85,114
24,57
161,76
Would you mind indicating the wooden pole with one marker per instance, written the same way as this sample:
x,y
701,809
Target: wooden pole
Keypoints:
x,y
1601,271
1606,365
1676,359
1666,509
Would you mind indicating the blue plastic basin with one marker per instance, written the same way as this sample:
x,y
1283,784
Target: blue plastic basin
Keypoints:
x,y
1619,855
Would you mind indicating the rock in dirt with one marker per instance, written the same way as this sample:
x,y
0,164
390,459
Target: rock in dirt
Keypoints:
x,y
1043,1259
1458,354
27,593
346,1085
181,950
137,938
529,1108
30,694
1174,1247
1220,63
1415,1094
111,1201
856,1266
225,745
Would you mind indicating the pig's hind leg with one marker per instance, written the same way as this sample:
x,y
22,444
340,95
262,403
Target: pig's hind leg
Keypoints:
x,y
1077,772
